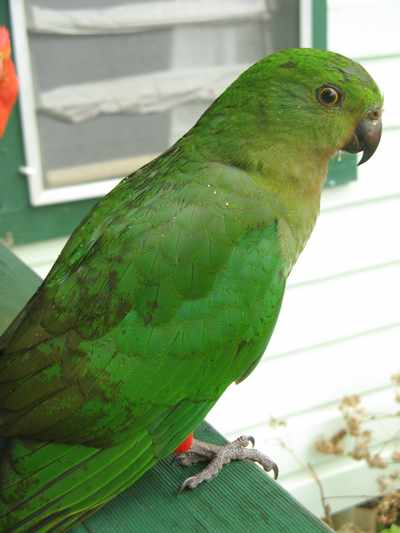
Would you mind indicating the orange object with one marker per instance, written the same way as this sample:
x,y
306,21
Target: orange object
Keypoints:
x,y
186,444
8,80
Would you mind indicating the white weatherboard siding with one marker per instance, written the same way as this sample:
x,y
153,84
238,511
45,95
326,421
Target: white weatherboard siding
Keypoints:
x,y
339,330
364,28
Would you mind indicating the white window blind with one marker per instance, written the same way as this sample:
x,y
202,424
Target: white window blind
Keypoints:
x,y
105,89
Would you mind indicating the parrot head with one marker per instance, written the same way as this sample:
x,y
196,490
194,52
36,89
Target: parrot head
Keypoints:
x,y
303,102
346,100
330,99
8,80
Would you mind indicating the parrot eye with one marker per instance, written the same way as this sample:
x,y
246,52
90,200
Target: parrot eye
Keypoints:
x,y
329,96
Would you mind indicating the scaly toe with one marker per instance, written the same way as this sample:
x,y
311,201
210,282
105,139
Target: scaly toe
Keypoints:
x,y
256,457
218,456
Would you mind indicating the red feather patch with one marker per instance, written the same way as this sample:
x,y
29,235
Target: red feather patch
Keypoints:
x,y
186,444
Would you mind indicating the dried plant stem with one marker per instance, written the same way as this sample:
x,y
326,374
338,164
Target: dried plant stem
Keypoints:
x,y
325,504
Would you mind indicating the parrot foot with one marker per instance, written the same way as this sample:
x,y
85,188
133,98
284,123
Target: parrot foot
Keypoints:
x,y
218,456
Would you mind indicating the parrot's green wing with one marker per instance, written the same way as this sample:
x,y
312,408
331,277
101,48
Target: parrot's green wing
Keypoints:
x,y
152,279
148,315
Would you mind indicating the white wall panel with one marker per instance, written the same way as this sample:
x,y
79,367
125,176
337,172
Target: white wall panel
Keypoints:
x,y
350,239
309,379
302,431
359,28
339,308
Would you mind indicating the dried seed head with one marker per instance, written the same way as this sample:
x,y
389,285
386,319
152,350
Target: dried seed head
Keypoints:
x,y
376,461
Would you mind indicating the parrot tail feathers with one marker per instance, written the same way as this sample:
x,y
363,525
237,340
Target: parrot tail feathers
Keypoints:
x,y
49,486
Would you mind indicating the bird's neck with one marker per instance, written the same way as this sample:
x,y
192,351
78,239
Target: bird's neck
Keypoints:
x,y
294,184
288,173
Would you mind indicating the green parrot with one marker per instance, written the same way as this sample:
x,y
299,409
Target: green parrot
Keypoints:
x,y
169,291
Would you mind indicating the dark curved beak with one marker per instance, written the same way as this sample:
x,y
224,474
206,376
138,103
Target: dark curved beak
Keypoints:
x,y
366,137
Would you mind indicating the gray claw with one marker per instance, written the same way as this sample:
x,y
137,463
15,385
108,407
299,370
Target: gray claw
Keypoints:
x,y
189,484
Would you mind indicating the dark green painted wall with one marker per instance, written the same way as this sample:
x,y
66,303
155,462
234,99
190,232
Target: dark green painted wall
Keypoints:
x,y
19,221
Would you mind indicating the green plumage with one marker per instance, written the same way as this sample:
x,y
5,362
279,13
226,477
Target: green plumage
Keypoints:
x,y
167,292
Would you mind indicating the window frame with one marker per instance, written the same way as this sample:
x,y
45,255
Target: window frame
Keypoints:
x,y
33,168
